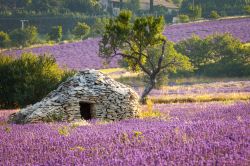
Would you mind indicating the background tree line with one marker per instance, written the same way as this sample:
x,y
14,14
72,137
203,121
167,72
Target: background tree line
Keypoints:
x,y
51,6
223,7
23,37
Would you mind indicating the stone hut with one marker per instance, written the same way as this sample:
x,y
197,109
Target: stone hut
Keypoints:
x,y
89,94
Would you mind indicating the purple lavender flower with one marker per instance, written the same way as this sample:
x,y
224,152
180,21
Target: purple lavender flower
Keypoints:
x,y
198,134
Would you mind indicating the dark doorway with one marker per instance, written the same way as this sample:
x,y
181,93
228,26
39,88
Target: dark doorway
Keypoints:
x,y
85,110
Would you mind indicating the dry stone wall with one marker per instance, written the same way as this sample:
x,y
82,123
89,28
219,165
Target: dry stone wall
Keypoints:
x,y
109,99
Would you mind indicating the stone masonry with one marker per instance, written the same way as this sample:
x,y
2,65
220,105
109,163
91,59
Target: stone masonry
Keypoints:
x,y
105,98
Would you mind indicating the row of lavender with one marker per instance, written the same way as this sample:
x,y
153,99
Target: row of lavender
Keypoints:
x,y
84,54
200,134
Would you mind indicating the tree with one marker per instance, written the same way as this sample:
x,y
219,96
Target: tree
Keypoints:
x,y
247,9
86,6
24,37
4,39
183,18
214,14
99,27
142,45
45,5
56,33
177,2
151,5
14,4
121,4
133,5
195,11
81,30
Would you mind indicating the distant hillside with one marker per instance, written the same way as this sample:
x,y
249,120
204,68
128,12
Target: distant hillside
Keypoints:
x,y
84,54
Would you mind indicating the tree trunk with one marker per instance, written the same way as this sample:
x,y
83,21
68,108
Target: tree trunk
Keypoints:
x,y
151,6
147,90
121,4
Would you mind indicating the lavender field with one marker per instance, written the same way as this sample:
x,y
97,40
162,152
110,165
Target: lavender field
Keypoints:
x,y
239,28
84,54
77,55
183,123
208,133
193,134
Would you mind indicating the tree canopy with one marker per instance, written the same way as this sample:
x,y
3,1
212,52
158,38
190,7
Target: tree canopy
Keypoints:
x,y
81,30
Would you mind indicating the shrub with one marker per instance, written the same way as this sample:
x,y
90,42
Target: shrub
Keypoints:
x,y
24,37
81,30
149,112
184,18
56,33
68,36
195,12
217,55
214,14
28,79
64,131
247,9
4,39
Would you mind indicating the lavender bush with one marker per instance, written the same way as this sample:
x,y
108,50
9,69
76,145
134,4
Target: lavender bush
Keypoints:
x,y
207,134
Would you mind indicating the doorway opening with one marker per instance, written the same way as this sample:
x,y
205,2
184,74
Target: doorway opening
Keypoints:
x,y
85,110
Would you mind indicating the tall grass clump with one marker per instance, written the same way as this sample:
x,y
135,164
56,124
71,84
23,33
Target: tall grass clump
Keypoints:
x,y
150,112
28,79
